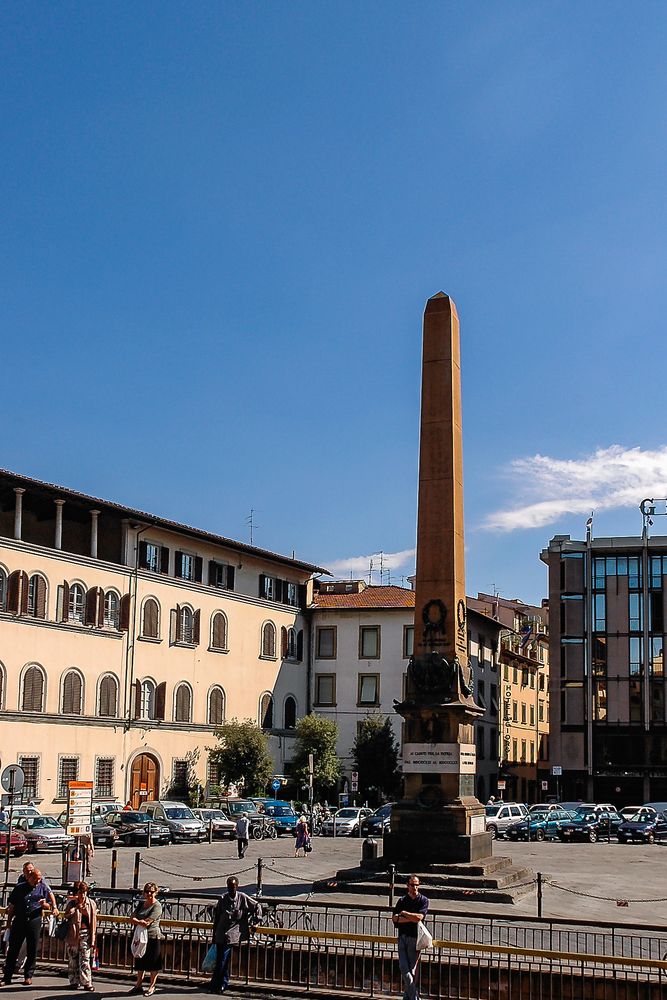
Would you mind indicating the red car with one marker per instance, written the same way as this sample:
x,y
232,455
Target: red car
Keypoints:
x,y
17,844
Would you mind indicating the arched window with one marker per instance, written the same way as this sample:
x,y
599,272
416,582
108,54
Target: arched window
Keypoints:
x,y
186,624
183,704
72,699
36,606
150,619
108,703
290,712
3,589
147,707
216,707
77,601
111,609
266,711
33,690
269,639
218,631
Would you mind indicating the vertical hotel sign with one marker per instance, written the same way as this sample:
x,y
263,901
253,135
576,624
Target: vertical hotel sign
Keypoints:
x,y
507,722
79,808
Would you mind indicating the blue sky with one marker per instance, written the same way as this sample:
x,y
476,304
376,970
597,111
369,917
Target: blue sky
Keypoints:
x,y
221,222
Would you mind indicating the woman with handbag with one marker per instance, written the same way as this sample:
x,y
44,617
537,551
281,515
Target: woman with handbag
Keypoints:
x,y
81,917
147,914
302,842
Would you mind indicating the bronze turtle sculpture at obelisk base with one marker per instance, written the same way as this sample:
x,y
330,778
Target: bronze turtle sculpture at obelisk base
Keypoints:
x,y
439,820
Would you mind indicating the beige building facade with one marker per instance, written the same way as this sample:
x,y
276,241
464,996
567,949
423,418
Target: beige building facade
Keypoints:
x,y
126,639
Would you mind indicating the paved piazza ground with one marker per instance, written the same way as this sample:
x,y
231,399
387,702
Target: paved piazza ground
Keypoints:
x,y
615,871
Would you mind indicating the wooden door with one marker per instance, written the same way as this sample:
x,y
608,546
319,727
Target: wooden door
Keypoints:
x,y
144,780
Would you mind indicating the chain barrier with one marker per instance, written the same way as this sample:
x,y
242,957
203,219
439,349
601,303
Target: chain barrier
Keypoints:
x,y
194,878
605,899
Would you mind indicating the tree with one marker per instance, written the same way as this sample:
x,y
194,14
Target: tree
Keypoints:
x,y
375,755
242,754
319,737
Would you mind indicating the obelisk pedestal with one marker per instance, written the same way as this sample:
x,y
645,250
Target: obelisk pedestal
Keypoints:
x,y
439,820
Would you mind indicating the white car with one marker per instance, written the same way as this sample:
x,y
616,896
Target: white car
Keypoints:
x,y
348,822
500,815
222,826
19,812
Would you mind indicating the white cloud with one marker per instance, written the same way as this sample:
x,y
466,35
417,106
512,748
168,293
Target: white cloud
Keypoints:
x,y
360,564
549,488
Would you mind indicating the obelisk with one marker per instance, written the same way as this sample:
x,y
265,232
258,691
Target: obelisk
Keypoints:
x,y
439,820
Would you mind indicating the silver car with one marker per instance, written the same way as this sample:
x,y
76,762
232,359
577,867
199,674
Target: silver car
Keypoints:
x,y
222,826
43,833
500,815
348,822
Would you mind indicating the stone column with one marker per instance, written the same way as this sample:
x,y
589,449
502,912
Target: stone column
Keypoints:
x,y
94,515
18,511
58,540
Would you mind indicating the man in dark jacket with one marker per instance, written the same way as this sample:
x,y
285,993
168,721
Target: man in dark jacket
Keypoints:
x,y
231,925
408,913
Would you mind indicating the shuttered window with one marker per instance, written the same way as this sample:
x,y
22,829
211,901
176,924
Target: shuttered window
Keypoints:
x,y
186,622
147,708
36,606
269,639
216,707
76,603
68,770
72,693
183,704
150,620
266,712
33,690
108,698
30,767
111,610
291,643
219,631
104,777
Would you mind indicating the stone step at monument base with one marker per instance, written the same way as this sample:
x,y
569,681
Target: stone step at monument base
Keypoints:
x,y
494,881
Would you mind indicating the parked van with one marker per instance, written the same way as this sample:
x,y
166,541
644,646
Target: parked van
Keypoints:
x,y
500,815
182,822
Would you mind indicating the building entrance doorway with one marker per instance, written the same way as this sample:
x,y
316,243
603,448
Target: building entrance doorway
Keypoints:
x,y
144,780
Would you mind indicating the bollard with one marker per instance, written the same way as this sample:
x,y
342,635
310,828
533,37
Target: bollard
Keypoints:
x,y
539,894
392,879
260,874
210,829
65,854
148,835
114,867
137,862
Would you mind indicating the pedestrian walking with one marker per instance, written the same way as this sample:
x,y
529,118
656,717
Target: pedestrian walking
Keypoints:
x,y
231,925
409,911
28,901
88,848
242,834
81,913
147,914
302,837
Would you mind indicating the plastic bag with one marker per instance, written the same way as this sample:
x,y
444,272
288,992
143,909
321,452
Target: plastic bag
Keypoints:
x,y
51,925
424,937
210,958
139,941
94,960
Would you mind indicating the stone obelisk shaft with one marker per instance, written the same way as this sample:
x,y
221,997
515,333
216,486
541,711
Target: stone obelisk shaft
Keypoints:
x,y
440,535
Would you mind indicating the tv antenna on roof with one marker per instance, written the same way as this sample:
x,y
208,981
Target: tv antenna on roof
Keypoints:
x,y
250,520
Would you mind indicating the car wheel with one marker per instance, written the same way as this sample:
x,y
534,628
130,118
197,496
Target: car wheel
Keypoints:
x,y
540,835
592,836
650,838
356,832
493,830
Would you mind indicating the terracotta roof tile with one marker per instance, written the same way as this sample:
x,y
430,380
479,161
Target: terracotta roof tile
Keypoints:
x,y
370,597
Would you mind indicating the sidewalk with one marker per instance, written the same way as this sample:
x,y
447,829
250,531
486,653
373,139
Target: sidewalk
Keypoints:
x,y
47,985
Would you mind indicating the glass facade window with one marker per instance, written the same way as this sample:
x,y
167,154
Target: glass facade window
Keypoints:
x,y
598,574
635,603
635,701
600,703
655,612
600,612
634,572
656,571
657,660
635,656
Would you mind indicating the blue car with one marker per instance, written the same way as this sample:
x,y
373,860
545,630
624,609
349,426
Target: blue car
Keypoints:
x,y
645,826
283,815
539,825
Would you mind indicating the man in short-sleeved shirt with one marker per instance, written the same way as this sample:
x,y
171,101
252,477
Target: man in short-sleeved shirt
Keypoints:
x,y
409,911
27,901
242,834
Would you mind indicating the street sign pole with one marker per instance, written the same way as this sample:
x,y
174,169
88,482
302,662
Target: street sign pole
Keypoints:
x,y
12,780
311,769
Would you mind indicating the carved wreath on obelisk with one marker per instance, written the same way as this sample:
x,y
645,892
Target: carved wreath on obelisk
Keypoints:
x,y
434,679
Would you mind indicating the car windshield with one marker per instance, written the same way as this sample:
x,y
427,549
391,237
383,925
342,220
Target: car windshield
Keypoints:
x,y
98,821
383,811
179,813
242,807
346,814
492,810
42,823
212,814
584,817
132,817
280,811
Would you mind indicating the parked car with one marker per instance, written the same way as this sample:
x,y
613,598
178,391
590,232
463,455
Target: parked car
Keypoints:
x,y
43,833
576,806
627,811
540,825
645,826
659,807
500,815
283,814
348,822
182,822
222,825
379,823
590,825
131,827
260,825
18,844
18,812
103,834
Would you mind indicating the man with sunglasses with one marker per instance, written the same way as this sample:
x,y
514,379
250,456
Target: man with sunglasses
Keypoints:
x,y
409,911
